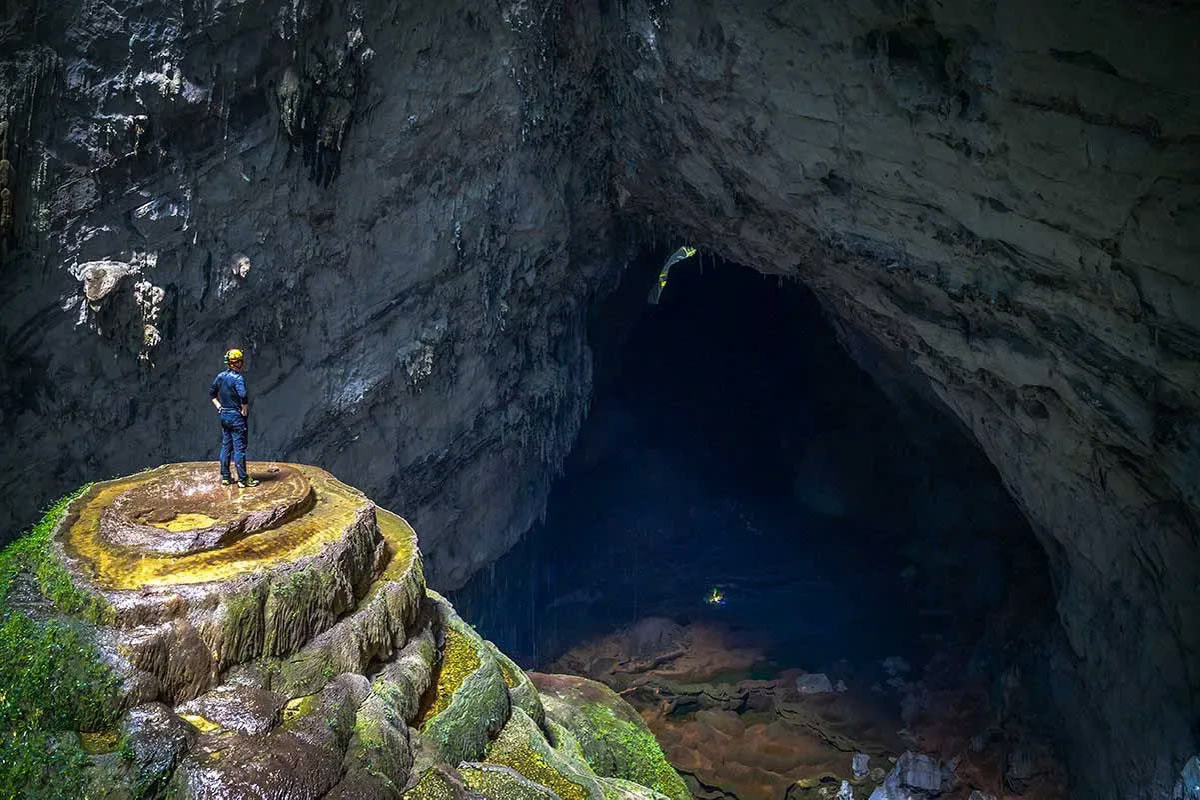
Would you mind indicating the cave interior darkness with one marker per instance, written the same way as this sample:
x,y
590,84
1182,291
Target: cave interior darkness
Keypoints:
x,y
733,444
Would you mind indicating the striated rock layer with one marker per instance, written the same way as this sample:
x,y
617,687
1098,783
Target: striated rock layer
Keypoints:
x,y
997,204
403,211
305,658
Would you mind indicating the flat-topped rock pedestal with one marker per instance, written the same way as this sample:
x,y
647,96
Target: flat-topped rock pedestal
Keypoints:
x,y
279,641
185,509
189,578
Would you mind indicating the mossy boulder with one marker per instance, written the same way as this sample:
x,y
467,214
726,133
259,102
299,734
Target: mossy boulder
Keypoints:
x,y
566,745
468,703
230,658
378,757
521,691
439,782
612,735
494,780
522,747
53,679
403,681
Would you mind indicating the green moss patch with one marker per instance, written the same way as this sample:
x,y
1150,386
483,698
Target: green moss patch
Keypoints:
x,y
432,786
612,735
502,783
636,751
469,702
521,747
33,554
52,681
459,660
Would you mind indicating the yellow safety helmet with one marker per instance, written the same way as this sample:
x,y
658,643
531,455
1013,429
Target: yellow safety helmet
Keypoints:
x,y
233,356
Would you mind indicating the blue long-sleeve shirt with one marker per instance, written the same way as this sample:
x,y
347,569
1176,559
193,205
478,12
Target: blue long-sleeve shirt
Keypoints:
x,y
230,388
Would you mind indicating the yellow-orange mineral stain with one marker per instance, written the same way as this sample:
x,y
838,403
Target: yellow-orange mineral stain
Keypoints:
x,y
186,522
115,567
459,662
402,544
200,723
95,743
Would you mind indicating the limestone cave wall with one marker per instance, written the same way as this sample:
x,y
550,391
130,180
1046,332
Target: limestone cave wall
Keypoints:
x,y
402,211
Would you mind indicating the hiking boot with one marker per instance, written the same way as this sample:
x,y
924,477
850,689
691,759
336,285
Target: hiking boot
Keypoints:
x,y
247,482
227,481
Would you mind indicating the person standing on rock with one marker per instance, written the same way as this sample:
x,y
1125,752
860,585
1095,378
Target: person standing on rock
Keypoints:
x,y
229,397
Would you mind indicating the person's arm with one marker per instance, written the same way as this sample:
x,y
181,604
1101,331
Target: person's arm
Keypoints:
x,y
242,396
212,393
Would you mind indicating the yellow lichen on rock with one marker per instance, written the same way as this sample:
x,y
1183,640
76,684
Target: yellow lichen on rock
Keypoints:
x,y
459,660
402,545
119,568
185,522
102,742
200,723
433,785
522,747
298,707
240,630
470,701
503,783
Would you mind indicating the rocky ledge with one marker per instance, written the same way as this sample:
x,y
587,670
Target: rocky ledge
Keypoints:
x,y
166,636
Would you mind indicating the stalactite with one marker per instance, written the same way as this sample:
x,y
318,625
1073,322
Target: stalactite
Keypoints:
x,y
6,183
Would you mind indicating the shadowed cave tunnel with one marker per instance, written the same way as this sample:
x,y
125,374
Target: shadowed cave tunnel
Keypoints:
x,y
996,205
739,476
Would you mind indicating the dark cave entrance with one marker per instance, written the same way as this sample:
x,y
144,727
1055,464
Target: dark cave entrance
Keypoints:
x,y
734,450
733,444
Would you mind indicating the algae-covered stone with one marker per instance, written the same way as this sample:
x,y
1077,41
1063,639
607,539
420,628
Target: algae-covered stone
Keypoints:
x,y
143,753
521,690
300,760
153,740
522,747
379,746
613,737
502,783
403,681
236,708
469,702
440,782
621,789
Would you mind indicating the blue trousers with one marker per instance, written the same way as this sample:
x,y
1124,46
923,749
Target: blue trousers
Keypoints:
x,y
233,442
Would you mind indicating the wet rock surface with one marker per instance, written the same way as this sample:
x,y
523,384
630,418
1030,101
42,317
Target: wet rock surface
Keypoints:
x,y
613,738
235,708
204,514
748,732
243,668
409,220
